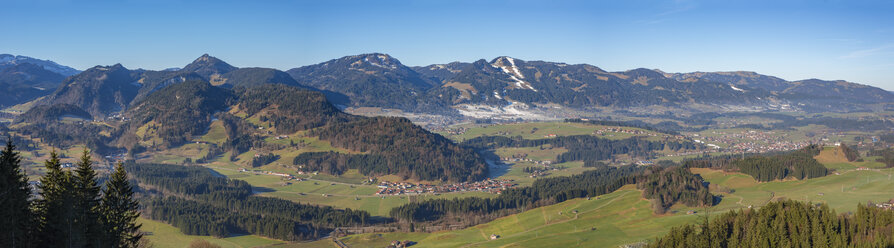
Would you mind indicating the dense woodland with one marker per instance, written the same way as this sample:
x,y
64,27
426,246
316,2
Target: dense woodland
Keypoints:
x,y
583,147
290,109
404,149
44,122
71,207
200,202
52,113
886,156
850,154
799,164
787,224
180,111
263,159
665,185
66,134
335,163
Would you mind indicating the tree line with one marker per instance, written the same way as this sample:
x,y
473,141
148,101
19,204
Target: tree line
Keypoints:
x,y
787,224
799,164
69,209
886,156
199,202
666,184
676,184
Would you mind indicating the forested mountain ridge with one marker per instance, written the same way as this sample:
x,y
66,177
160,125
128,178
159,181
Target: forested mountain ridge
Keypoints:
x,y
379,80
248,77
400,147
52,113
182,112
30,75
23,79
816,93
176,113
289,109
441,72
12,60
152,81
208,67
376,80
25,82
101,90
505,80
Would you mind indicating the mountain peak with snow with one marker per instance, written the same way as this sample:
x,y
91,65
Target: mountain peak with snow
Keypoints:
x,y
7,60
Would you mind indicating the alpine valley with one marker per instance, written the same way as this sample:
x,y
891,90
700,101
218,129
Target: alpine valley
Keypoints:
x,y
364,151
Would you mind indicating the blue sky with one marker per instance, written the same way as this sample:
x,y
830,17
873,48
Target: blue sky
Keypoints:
x,y
850,40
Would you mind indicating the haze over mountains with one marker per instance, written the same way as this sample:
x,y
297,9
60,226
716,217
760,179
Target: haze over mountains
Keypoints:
x,y
503,87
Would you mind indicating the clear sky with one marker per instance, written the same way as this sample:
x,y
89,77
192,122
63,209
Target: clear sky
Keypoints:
x,y
851,40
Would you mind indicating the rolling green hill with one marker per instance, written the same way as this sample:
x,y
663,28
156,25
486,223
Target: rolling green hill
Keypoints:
x,y
623,217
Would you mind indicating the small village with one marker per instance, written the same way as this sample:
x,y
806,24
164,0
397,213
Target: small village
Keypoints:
x,y
404,188
752,141
607,131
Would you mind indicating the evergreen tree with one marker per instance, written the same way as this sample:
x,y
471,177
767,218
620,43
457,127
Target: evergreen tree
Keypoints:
x,y
56,215
15,216
86,204
120,211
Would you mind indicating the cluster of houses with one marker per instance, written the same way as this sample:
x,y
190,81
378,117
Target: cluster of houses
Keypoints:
x,y
403,188
285,175
401,244
605,130
540,171
645,163
451,131
524,158
885,205
753,141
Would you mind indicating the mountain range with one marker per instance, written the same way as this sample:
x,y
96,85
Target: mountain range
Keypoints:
x,y
146,110
501,87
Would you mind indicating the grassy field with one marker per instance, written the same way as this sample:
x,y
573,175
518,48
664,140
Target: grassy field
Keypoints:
x,y
611,220
534,153
536,130
624,217
162,235
322,190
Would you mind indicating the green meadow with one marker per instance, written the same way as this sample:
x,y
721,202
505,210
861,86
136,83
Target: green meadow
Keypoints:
x,y
624,217
162,235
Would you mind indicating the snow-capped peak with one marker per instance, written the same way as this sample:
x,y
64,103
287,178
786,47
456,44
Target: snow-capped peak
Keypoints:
x,y
8,60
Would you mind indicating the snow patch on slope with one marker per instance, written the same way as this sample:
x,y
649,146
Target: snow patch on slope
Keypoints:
x,y
379,65
736,89
514,110
513,72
